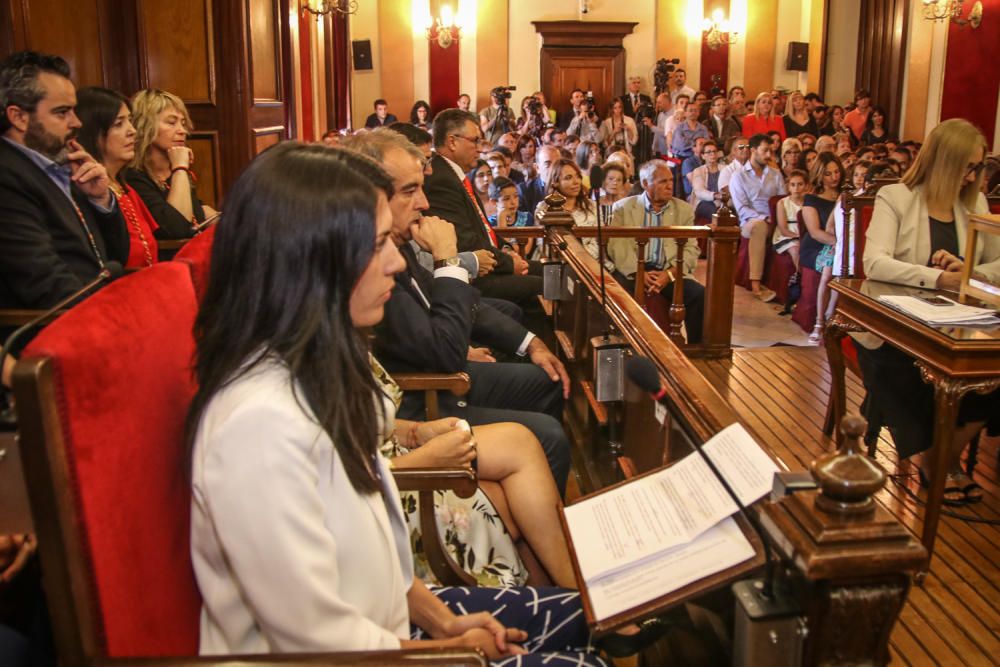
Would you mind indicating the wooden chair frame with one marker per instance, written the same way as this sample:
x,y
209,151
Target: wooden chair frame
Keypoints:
x,y
69,584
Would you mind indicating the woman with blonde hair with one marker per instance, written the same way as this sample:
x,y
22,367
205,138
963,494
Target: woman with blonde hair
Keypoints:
x,y
797,119
161,171
763,120
917,238
791,150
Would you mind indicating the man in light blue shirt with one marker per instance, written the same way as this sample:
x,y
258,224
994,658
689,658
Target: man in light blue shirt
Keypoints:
x,y
751,189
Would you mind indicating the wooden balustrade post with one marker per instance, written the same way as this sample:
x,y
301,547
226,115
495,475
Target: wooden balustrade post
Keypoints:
x,y
850,558
723,243
677,310
847,242
640,271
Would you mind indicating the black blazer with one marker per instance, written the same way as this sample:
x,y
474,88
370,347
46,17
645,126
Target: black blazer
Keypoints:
x,y
44,252
415,338
627,103
172,225
529,194
449,200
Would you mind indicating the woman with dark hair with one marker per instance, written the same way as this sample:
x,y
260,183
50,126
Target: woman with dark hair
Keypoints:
x,y
481,176
837,118
817,239
108,135
588,154
876,128
567,179
917,238
616,185
420,115
285,429
524,157
807,159
161,171
618,128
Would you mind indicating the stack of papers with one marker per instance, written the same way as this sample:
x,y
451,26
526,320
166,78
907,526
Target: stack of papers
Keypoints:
x,y
953,314
661,532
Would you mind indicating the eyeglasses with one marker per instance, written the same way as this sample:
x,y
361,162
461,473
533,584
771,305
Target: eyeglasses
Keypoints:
x,y
976,169
476,141
742,147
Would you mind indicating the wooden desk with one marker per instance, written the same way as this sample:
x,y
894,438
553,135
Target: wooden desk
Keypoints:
x,y
955,360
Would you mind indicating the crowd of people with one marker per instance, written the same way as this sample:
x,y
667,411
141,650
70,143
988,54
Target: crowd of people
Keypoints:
x,y
380,256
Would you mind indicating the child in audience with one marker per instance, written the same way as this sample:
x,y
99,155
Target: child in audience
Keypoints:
x,y
786,231
504,199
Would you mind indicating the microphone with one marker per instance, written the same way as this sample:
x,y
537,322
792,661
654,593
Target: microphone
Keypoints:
x,y
642,372
110,271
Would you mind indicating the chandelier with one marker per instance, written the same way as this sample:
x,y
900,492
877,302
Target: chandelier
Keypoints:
x,y
944,10
319,8
718,30
445,28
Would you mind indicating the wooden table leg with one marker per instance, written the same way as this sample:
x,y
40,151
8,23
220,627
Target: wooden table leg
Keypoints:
x,y
834,333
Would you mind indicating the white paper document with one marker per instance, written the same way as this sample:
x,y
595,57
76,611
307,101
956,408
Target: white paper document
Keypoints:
x,y
717,549
953,314
639,522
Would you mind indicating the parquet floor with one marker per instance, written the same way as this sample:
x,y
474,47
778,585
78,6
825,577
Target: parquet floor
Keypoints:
x,y
954,619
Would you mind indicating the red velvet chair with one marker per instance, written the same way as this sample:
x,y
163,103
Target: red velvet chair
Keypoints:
x,y
196,253
102,397
778,267
805,309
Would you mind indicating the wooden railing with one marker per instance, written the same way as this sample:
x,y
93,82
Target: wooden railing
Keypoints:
x,y
847,562
722,241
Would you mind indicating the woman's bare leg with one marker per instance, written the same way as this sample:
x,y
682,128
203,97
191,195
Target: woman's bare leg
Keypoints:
x,y
509,454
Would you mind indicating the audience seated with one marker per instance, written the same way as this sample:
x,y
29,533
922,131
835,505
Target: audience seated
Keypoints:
x,y
161,171
751,189
690,163
706,194
818,240
786,231
615,185
432,319
720,124
763,119
270,390
737,154
109,136
532,191
797,119
503,194
876,128
61,222
567,179
420,115
913,239
791,151
657,207
381,116
452,197
856,120
481,176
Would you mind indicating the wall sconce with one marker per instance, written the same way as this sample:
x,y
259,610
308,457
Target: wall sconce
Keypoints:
x,y
444,30
944,10
320,8
718,30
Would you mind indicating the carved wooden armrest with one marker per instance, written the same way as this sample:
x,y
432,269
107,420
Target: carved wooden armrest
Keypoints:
x,y
463,481
456,383
432,656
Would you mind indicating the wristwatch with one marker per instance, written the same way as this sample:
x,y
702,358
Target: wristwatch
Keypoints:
x,y
451,261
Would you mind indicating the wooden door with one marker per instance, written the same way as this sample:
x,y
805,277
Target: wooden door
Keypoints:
x,y
600,70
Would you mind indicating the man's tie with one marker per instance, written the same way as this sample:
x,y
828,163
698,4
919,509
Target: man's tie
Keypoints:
x,y
479,209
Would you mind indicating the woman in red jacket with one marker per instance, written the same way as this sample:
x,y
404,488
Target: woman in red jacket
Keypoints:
x,y
763,120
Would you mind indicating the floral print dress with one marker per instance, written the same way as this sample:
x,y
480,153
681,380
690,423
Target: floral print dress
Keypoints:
x,y
473,532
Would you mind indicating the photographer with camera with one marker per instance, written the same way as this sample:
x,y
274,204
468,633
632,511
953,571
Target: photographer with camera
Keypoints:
x,y
618,129
532,121
585,123
497,119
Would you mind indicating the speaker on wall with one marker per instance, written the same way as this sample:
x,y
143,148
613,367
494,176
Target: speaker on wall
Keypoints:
x,y
798,56
362,49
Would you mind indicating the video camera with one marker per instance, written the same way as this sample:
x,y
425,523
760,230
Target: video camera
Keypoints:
x,y
662,70
502,93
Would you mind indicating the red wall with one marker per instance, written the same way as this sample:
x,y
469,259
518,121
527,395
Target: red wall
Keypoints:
x,y
444,76
972,73
714,61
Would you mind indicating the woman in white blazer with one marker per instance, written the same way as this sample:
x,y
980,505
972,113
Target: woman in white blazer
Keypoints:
x,y
297,536
917,237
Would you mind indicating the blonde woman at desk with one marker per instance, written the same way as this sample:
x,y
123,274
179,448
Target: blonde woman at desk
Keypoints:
x,y
916,238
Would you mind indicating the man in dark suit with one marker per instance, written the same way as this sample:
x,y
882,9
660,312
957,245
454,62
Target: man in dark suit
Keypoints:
x,y
530,193
457,139
59,223
431,319
719,124
633,99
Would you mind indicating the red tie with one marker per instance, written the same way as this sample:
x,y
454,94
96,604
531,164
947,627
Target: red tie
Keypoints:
x,y
475,202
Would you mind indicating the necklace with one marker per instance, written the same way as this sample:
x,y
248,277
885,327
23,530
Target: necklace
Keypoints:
x,y
131,216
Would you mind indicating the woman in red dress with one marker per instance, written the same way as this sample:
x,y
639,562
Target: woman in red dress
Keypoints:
x,y
109,136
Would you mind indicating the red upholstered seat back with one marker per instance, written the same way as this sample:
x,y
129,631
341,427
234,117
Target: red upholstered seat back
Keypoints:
x,y
995,208
198,254
121,366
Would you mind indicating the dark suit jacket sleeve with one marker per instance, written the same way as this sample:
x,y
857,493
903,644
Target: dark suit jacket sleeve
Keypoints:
x,y
497,330
449,201
172,224
32,270
430,341
113,231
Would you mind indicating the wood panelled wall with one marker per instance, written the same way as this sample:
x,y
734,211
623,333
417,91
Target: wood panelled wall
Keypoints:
x,y
882,36
229,60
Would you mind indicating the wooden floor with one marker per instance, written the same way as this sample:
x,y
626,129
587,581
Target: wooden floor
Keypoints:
x,y
954,619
